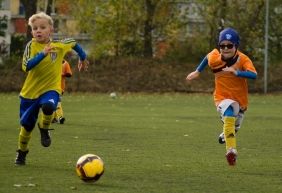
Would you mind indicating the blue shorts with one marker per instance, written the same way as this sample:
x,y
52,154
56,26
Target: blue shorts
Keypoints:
x,y
29,108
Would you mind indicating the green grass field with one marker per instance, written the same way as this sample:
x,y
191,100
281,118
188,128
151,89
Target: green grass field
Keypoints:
x,y
149,143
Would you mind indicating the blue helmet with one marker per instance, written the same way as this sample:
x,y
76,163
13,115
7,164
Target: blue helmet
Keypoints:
x,y
230,35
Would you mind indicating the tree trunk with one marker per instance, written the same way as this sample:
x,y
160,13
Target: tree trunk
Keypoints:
x,y
222,18
30,9
148,28
49,7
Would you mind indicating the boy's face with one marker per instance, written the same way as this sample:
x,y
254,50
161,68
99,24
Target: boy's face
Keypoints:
x,y
41,30
227,49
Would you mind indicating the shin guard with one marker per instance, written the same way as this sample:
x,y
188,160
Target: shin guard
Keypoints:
x,y
45,120
229,132
24,138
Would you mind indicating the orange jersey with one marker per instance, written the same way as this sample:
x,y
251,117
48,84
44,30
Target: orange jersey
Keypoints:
x,y
228,85
66,72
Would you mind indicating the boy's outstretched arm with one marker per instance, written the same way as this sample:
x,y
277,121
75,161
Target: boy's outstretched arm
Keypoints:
x,y
83,62
199,69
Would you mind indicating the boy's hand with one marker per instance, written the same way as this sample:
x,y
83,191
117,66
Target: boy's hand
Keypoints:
x,y
192,75
229,69
82,65
47,49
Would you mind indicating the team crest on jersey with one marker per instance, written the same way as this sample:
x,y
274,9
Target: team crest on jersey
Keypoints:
x,y
228,36
53,55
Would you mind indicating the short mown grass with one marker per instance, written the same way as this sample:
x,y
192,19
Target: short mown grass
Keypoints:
x,y
150,143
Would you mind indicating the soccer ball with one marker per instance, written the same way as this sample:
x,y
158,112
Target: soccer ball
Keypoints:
x,y
90,167
113,95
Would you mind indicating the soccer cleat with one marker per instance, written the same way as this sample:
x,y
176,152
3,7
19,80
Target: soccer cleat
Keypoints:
x,y
45,137
221,139
62,120
20,158
231,156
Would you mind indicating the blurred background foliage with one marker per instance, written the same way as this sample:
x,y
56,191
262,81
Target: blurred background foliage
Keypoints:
x,y
151,45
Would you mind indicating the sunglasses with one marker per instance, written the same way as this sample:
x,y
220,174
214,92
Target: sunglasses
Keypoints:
x,y
228,46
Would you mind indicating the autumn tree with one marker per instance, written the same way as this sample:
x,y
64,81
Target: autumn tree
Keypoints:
x,y
275,29
125,27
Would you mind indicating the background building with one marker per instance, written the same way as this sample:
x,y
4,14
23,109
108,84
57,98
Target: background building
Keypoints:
x,y
12,12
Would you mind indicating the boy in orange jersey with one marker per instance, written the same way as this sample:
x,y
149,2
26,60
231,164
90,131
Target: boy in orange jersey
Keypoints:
x,y
231,69
66,73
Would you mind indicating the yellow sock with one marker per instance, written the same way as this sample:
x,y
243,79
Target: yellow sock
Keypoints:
x,y
229,132
59,110
45,120
24,138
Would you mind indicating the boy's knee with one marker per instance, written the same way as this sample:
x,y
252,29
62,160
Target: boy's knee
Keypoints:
x,y
48,108
28,128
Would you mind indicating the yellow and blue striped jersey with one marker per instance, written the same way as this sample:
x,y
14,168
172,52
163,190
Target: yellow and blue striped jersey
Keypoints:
x,y
45,75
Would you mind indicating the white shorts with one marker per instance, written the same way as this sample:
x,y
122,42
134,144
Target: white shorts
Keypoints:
x,y
239,114
223,105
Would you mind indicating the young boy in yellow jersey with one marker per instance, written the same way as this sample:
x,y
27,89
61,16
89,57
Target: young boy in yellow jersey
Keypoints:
x,y
66,73
231,69
42,60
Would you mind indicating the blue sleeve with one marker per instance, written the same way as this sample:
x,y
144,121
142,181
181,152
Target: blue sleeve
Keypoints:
x,y
202,65
34,61
79,51
246,74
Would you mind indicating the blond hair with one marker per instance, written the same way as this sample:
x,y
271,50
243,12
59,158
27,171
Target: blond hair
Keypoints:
x,y
40,15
